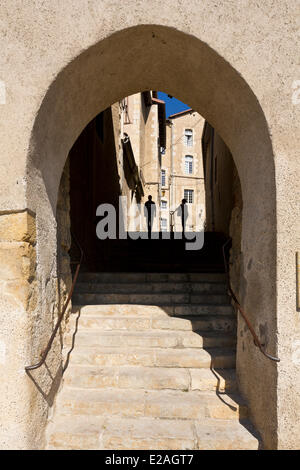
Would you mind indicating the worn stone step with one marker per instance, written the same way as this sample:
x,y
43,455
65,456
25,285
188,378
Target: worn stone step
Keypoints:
x,y
106,323
148,434
194,405
93,433
152,287
160,434
123,310
129,377
200,323
216,299
150,378
198,309
204,323
100,433
215,434
74,433
149,298
154,339
155,357
141,299
118,277
101,402
130,310
200,358
220,380
157,404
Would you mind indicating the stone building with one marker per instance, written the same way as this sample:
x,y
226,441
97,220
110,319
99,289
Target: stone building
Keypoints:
x,y
117,155
182,172
63,63
144,122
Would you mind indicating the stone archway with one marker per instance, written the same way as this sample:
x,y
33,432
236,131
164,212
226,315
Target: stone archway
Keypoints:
x,y
156,57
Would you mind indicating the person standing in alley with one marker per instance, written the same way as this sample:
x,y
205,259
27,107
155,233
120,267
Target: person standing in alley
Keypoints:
x,y
182,212
150,212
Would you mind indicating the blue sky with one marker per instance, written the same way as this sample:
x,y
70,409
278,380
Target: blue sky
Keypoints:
x,y
172,104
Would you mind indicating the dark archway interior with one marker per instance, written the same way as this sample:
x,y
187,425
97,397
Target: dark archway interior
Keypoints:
x,y
95,180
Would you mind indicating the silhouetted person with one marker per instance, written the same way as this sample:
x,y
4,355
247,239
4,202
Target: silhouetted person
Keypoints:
x,y
182,211
150,211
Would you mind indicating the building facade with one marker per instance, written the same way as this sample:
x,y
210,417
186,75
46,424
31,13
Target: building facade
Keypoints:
x,y
182,173
143,121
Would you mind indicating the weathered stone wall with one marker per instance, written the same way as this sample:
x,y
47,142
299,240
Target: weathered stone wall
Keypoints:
x,y
18,302
21,317
219,170
64,275
235,232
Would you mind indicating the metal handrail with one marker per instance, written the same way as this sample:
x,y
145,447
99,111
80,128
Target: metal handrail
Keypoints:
x,y
44,353
242,312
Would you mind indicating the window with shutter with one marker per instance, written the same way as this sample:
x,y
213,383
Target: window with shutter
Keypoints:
x,y
188,164
188,137
189,195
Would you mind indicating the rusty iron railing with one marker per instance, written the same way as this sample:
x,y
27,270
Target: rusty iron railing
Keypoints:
x,y
242,312
45,353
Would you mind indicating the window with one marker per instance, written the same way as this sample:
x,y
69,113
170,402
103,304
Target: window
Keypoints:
x,y
163,177
189,195
188,137
188,165
163,204
163,224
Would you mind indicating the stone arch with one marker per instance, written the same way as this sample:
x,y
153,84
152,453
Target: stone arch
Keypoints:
x,y
163,58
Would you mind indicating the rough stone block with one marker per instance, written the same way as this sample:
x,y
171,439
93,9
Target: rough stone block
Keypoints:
x,y
17,261
19,226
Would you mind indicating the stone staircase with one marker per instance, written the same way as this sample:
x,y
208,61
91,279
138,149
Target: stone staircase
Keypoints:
x,y
152,367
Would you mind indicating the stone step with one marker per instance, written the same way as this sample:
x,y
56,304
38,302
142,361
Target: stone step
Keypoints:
x,y
157,404
153,339
74,433
150,378
152,287
218,434
152,366
191,310
119,277
98,433
204,323
154,357
152,310
87,432
201,323
88,298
